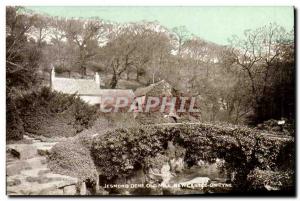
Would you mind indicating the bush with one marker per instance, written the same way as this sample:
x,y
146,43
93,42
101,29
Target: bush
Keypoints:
x,y
261,180
14,123
49,113
72,158
119,153
271,125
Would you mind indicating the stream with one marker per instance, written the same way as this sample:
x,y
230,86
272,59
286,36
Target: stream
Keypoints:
x,y
199,179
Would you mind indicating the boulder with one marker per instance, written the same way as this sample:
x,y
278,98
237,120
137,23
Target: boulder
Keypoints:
x,y
82,190
101,191
48,184
70,190
61,181
16,168
22,151
43,148
177,165
36,162
33,172
28,188
13,182
56,192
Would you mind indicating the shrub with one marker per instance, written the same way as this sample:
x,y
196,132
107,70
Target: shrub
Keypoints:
x,y
72,158
14,123
261,180
49,113
271,125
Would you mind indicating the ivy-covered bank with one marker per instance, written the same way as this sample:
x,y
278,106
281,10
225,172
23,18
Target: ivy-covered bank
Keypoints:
x,y
250,154
47,113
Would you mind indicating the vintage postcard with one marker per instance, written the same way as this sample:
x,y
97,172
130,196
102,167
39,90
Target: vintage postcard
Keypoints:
x,y
143,101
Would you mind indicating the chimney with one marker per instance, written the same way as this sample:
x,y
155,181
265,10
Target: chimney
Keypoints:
x,y
52,73
97,79
52,77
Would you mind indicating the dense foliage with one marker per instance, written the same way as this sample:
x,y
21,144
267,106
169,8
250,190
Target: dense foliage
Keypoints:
x,y
22,59
52,114
22,55
14,126
271,125
261,180
119,153
73,159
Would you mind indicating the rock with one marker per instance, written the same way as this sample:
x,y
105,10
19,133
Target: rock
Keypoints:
x,y
33,172
43,152
16,168
220,163
13,182
32,179
48,184
201,163
55,192
43,148
22,151
232,176
271,188
177,165
61,181
166,174
10,157
44,179
42,172
138,178
156,191
28,174
82,190
101,191
70,190
27,188
36,162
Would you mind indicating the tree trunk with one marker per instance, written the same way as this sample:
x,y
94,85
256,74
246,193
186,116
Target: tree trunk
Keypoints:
x,y
153,78
83,71
114,81
127,75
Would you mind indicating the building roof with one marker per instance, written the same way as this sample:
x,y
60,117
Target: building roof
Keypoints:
x,y
86,87
161,88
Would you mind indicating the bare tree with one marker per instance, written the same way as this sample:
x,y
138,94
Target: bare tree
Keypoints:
x,y
181,35
22,55
256,54
85,35
119,55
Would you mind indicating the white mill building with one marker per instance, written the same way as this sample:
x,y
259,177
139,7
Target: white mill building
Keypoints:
x,y
88,90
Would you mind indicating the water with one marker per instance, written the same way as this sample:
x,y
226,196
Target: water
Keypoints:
x,y
212,171
217,175
219,179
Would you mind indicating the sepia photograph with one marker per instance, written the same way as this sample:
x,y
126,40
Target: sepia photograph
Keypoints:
x,y
150,101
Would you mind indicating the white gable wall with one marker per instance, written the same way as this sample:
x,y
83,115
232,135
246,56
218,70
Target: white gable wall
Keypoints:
x,y
92,100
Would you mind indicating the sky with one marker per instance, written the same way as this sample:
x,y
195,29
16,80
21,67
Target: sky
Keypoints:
x,y
215,24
